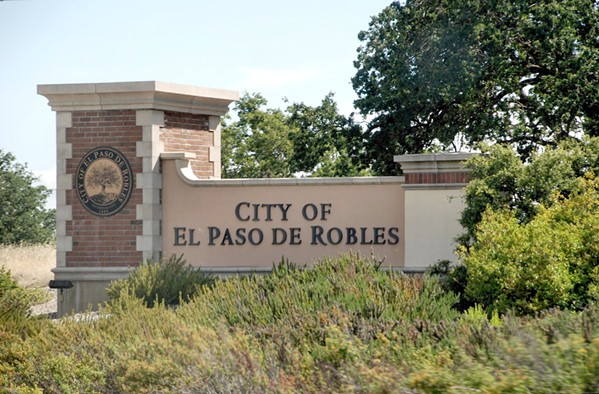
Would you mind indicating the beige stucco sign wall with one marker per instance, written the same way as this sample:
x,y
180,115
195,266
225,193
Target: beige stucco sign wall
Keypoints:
x,y
239,225
169,137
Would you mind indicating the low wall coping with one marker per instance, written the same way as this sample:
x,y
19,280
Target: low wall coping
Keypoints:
x,y
184,171
433,162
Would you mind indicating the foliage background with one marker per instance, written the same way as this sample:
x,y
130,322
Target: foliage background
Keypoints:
x,y
23,217
302,140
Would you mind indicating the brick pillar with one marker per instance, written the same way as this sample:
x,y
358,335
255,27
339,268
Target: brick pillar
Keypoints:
x,y
434,186
109,140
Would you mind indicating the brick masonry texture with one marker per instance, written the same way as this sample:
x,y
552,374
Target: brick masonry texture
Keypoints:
x,y
104,241
189,133
436,178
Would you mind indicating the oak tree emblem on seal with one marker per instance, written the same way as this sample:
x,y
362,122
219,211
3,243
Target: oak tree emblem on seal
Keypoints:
x,y
104,181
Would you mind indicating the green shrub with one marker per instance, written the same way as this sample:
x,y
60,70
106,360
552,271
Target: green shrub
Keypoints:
x,y
476,316
294,305
15,301
343,325
550,261
453,278
499,180
165,281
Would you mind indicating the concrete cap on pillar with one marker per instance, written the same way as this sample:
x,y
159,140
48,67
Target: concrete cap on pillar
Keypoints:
x,y
138,95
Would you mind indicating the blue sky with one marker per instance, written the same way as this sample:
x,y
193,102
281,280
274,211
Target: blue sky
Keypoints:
x,y
296,49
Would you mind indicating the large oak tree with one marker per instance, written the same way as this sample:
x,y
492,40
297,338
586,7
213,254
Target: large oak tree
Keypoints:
x,y
512,71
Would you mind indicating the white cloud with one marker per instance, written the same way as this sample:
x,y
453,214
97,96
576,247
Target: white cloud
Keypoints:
x,y
346,107
48,179
261,78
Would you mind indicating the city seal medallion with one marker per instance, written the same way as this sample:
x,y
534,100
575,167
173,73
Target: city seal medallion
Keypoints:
x,y
104,181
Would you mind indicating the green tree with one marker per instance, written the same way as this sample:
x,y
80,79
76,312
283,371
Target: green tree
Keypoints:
x,y
326,143
315,141
509,71
23,217
258,145
500,180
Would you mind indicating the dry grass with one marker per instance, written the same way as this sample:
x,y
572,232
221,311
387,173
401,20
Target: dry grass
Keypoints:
x,y
30,265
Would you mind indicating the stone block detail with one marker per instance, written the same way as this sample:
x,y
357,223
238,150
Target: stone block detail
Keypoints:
x,y
148,243
64,182
150,181
61,197
151,196
61,229
149,117
215,150
63,119
61,259
64,244
149,212
64,212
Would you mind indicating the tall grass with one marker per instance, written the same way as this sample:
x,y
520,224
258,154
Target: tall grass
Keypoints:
x,y
30,265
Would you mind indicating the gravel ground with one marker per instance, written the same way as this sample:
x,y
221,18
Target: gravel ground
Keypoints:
x,y
49,308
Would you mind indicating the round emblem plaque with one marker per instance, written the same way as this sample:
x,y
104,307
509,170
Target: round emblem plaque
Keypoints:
x,y
104,181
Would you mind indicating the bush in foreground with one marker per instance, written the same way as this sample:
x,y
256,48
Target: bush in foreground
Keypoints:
x,y
354,285
342,326
166,281
550,261
15,301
